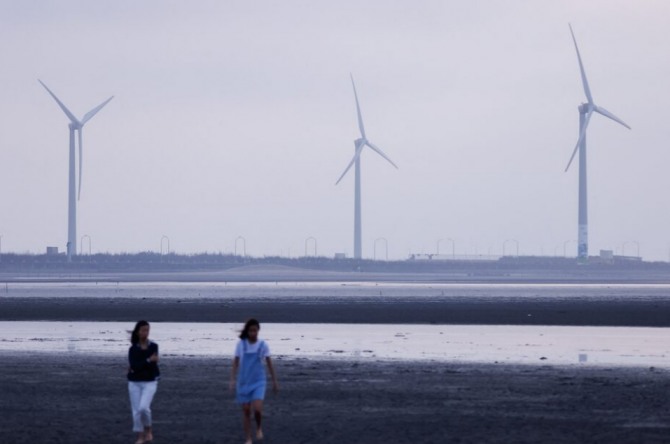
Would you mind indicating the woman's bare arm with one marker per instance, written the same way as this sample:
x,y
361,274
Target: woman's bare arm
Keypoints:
x,y
233,373
275,385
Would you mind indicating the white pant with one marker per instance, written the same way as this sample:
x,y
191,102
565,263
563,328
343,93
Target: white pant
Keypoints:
x,y
141,395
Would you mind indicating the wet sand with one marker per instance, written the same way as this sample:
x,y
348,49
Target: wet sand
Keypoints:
x,y
631,312
77,398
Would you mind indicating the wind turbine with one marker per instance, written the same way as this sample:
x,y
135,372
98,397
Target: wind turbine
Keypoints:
x,y
359,144
74,125
586,110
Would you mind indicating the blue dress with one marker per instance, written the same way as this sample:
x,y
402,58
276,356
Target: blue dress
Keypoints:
x,y
251,379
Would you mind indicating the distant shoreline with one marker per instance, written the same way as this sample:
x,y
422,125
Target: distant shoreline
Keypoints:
x,y
153,267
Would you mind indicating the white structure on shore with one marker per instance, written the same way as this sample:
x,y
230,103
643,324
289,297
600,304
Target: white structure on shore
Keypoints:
x,y
585,112
359,144
74,125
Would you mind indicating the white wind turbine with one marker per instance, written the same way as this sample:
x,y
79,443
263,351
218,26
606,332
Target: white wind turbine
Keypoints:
x,y
586,110
359,144
74,125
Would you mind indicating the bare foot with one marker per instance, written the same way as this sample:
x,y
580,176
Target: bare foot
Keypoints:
x,y
140,439
248,441
148,437
259,434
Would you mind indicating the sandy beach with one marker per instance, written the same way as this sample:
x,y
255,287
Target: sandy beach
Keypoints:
x,y
530,312
56,398
64,382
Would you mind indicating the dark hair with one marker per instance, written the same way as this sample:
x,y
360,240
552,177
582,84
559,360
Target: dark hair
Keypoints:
x,y
244,334
135,335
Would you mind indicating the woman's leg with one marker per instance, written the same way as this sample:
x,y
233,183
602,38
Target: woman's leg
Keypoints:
x,y
148,392
135,392
258,415
246,413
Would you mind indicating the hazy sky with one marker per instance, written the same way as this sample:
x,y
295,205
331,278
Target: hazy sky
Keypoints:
x,y
237,117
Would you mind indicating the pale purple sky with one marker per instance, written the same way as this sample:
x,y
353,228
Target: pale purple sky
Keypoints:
x,y
236,118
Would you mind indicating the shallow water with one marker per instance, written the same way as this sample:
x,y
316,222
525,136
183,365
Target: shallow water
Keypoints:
x,y
615,346
315,291
605,346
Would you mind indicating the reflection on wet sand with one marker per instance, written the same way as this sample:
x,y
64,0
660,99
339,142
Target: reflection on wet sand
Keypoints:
x,y
611,346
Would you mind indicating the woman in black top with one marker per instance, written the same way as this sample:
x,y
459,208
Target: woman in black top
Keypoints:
x,y
143,375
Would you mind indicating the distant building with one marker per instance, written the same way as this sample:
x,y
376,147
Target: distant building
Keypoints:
x,y
340,255
607,255
52,251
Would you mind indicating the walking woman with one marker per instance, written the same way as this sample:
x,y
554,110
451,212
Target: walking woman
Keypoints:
x,y
248,376
143,375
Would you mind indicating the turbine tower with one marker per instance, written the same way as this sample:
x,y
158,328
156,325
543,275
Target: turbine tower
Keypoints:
x,y
586,110
75,125
359,144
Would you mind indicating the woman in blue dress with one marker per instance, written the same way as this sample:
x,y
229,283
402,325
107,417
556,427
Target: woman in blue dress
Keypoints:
x,y
248,376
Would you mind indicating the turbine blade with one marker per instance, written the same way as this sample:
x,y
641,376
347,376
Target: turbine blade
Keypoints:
x,y
381,153
94,111
81,162
604,112
67,112
585,82
358,108
582,134
356,156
